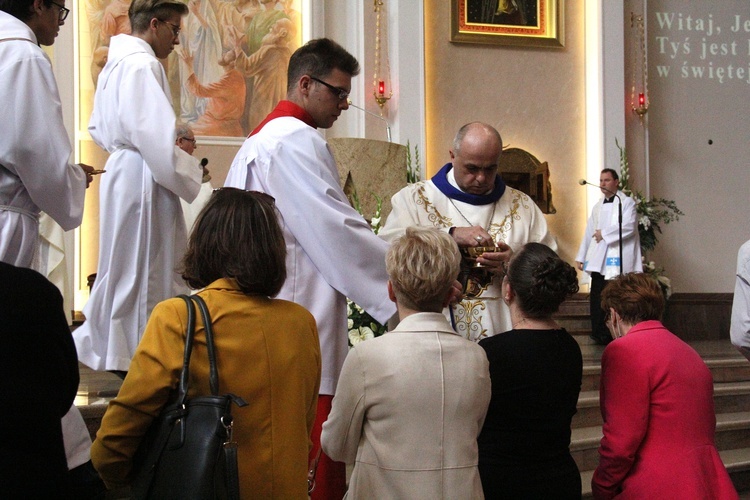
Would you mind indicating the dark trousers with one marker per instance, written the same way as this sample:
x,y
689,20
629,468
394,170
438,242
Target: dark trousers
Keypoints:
x,y
598,326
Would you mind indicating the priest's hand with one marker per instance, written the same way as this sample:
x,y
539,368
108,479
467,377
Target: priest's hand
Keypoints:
x,y
598,235
474,236
494,261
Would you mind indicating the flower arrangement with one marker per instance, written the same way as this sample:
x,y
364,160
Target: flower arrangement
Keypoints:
x,y
360,324
658,274
651,214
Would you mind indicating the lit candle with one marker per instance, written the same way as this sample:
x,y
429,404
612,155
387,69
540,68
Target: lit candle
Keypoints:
x,y
641,99
381,87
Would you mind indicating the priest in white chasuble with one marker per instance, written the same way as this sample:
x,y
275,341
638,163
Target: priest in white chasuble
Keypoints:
x,y
142,233
467,199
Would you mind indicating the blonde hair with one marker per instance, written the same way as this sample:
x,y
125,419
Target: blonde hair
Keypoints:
x,y
422,266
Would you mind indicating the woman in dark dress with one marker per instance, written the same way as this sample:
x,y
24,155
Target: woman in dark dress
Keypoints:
x,y
536,371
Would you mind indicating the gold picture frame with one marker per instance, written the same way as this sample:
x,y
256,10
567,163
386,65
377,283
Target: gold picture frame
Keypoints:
x,y
535,23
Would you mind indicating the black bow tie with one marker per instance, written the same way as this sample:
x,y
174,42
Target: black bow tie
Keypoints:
x,y
609,200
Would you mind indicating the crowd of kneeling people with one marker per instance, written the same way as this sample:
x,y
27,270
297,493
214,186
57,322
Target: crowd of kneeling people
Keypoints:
x,y
421,412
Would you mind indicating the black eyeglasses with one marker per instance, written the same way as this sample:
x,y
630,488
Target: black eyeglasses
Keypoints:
x,y
189,140
337,91
175,28
63,11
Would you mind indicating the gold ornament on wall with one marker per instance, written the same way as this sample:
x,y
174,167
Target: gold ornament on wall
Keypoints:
x,y
381,80
639,90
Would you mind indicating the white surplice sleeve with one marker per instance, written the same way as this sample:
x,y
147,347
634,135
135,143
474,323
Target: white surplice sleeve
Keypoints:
x,y
337,239
588,236
611,232
35,146
739,329
148,122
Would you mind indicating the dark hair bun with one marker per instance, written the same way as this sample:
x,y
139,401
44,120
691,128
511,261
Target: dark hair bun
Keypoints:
x,y
541,280
552,281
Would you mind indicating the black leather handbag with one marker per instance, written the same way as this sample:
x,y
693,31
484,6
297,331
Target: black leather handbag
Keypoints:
x,y
188,451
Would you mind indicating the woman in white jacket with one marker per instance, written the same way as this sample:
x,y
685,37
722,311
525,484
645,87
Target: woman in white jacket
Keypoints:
x,y
410,404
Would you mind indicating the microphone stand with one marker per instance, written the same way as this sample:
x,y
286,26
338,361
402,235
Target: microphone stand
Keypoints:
x,y
583,182
387,127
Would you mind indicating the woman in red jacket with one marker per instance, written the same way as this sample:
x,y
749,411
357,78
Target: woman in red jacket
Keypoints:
x,y
657,404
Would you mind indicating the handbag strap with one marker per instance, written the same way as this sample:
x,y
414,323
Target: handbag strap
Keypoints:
x,y
182,388
209,329
189,337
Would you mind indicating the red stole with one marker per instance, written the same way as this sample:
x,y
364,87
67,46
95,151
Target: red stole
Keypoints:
x,y
286,108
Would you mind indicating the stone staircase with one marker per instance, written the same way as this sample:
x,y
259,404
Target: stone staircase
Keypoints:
x,y
731,373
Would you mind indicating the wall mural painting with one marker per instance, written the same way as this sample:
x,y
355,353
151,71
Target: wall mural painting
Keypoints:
x,y
229,70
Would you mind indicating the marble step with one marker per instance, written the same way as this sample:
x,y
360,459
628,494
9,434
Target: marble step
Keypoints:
x,y
732,433
729,397
736,461
725,363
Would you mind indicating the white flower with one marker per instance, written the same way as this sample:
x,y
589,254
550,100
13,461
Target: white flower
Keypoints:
x,y
665,281
360,334
349,323
645,222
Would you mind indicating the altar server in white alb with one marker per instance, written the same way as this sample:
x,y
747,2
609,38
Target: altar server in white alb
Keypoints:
x,y
142,234
332,253
599,253
467,199
739,326
35,172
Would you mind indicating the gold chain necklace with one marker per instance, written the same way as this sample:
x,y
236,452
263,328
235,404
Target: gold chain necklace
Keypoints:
x,y
489,222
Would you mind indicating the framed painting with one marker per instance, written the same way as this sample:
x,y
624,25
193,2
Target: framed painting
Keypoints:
x,y
229,69
508,22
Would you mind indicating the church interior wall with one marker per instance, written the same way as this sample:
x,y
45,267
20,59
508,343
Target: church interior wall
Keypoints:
x,y
696,130
535,97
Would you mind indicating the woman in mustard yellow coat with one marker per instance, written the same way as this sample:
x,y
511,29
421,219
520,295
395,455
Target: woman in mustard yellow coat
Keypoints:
x,y
267,353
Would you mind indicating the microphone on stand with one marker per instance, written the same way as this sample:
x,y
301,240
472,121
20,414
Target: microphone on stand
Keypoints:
x,y
204,162
583,182
387,126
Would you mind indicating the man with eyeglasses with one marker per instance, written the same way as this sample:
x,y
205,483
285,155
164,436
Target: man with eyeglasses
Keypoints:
x,y
187,143
142,232
35,172
332,253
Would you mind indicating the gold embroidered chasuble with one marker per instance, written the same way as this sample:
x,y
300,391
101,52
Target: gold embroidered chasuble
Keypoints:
x,y
514,219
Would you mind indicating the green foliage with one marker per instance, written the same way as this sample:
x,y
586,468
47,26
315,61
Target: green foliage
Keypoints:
x,y
651,212
413,170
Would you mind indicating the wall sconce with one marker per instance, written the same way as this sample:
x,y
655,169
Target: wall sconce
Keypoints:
x,y
381,81
639,91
